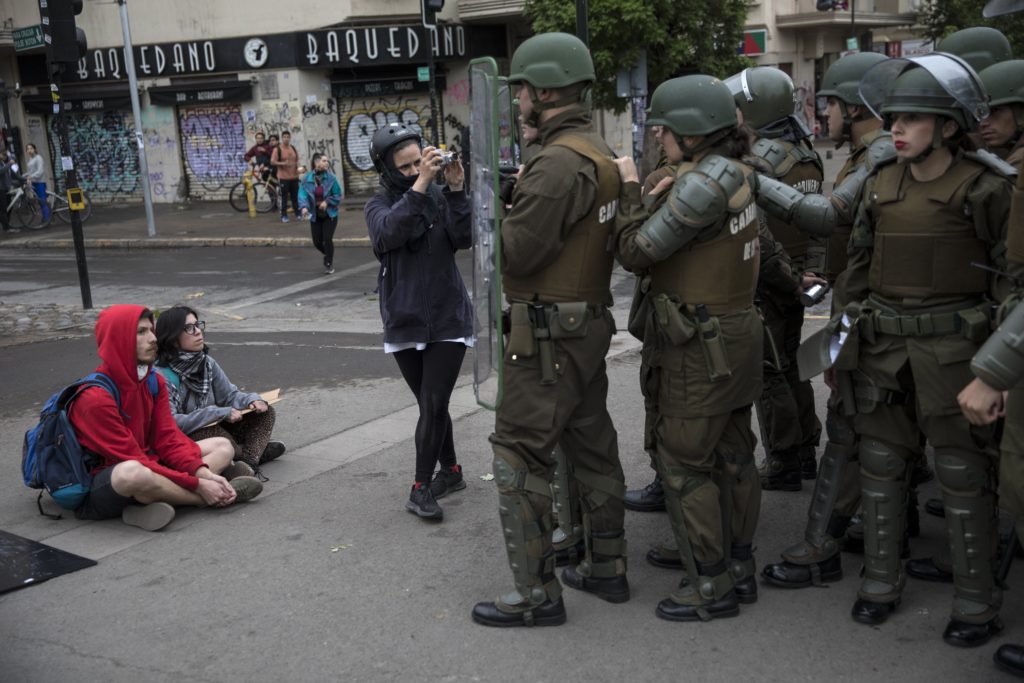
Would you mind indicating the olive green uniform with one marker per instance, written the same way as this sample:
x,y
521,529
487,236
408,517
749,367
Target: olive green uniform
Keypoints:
x,y
921,312
791,425
701,434
556,274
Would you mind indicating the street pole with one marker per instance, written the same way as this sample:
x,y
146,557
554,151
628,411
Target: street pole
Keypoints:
x,y
133,86
8,138
67,164
853,20
582,32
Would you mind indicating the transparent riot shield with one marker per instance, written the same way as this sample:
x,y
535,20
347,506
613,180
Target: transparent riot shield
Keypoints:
x,y
484,165
955,76
509,155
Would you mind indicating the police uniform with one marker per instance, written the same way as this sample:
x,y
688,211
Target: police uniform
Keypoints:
x,y
921,313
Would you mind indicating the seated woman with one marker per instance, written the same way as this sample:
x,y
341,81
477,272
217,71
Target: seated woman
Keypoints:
x,y
200,393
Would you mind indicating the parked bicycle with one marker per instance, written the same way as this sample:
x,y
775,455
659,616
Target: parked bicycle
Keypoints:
x,y
24,208
59,207
264,193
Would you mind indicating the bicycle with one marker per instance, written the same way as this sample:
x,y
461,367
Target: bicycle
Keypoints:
x,y
24,208
264,193
59,207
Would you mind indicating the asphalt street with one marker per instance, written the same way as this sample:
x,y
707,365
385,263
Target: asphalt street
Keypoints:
x,y
326,577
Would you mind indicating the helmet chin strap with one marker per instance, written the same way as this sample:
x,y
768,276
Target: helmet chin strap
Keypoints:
x,y
938,142
533,120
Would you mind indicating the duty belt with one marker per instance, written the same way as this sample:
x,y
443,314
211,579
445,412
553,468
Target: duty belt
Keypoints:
x,y
973,322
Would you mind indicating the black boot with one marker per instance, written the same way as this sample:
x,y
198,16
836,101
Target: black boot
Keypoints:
x,y
545,614
873,613
962,634
570,555
746,587
935,506
781,472
650,498
611,588
660,558
1010,658
925,569
789,575
726,606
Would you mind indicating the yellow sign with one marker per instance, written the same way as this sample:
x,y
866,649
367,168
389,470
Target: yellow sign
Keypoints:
x,y
76,199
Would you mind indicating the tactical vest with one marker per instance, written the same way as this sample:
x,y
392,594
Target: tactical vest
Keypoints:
x,y
719,272
1015,229
924,238
798,166
582,271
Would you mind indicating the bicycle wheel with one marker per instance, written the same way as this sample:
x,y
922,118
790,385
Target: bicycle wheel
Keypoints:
x,y
59,207
237,197
266,199
27,214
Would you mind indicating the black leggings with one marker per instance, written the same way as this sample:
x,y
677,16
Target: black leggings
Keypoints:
x,y
431,374
323,236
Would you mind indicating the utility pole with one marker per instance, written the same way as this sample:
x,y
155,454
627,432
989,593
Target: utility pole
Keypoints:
x,y
582,31
429,10
133,86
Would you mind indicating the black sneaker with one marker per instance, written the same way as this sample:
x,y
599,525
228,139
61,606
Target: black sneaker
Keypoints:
x,y
446,480
421,502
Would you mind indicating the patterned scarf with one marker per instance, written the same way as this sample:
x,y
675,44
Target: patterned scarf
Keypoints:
x,y
193,367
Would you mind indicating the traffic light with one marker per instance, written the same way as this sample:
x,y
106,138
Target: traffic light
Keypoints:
x,y
65,42
430,9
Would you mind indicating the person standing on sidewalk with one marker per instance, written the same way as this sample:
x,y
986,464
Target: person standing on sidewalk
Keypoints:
x,y
285,159
319,196
6,161
37,176
415,229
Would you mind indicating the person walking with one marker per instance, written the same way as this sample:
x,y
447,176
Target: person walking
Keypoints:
x,y
6,161
415,228
320,194
35,174
285,159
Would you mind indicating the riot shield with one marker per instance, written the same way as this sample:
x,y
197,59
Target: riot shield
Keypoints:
x,y
488,353
509,156
955,76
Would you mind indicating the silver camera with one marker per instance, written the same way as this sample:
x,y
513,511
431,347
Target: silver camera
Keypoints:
x,y
448,157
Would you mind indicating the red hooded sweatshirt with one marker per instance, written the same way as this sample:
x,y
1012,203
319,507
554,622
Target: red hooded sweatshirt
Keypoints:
x,y
149,434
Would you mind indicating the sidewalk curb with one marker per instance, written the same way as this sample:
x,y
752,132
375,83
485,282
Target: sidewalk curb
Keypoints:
x,y
176,242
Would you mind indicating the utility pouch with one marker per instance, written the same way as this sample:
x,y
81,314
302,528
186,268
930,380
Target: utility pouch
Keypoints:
x,y
975,326
669,316
713,344
521,342
847,397
545,346
640,308
569,320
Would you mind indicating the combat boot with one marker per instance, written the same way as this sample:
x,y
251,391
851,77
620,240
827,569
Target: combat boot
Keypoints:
x,y
665,556
744,572
650,498
603,571
780,471
808,463
805,564
1010,658
712,598
567,552
963,634
549,613
927,569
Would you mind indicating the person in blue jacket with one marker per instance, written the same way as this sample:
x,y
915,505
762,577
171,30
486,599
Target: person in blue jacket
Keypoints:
x,y
320,195
415,229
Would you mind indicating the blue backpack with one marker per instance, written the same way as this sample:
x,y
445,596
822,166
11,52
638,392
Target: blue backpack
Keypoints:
x,y
51,457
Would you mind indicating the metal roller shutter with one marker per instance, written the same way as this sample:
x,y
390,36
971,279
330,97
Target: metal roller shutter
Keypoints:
x,y
105,153
212,146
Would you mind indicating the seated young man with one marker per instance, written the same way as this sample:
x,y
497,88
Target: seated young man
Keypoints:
x,y
147,465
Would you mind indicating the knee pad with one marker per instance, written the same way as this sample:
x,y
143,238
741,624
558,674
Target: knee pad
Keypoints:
x,y
962,472
882,461
511,474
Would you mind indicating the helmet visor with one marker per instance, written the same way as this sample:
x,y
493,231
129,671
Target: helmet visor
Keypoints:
x,y
957,79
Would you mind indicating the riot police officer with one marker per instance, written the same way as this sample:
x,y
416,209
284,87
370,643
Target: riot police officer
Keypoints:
x,y
919,310
817,558
1003,129
765,98
702,340
557,270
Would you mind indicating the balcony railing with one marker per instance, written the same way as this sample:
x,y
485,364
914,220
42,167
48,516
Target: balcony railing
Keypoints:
x,y
489,9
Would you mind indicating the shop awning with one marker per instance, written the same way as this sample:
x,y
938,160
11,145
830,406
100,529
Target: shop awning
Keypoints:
x,y
81,99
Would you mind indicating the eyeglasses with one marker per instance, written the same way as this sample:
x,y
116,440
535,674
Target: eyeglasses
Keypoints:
x,y
196,327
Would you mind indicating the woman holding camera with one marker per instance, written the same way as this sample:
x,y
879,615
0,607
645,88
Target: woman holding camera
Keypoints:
x,y
415,228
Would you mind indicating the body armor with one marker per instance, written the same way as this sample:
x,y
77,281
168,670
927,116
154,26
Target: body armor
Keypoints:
x,y
582,271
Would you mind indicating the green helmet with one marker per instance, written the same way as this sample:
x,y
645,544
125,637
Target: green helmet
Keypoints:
x,y
996,8
843,77
764,94
979,46
917,90
1004,82
552,60
692,106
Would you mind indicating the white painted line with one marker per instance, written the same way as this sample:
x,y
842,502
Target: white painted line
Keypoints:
x,y
298,287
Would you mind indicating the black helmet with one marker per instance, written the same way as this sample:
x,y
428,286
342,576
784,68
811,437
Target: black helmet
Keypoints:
x,y
385,140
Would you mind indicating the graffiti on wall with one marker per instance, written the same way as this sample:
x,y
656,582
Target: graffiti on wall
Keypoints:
x,y
163,152
319,127
106,155
273,118
359,119
213,143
